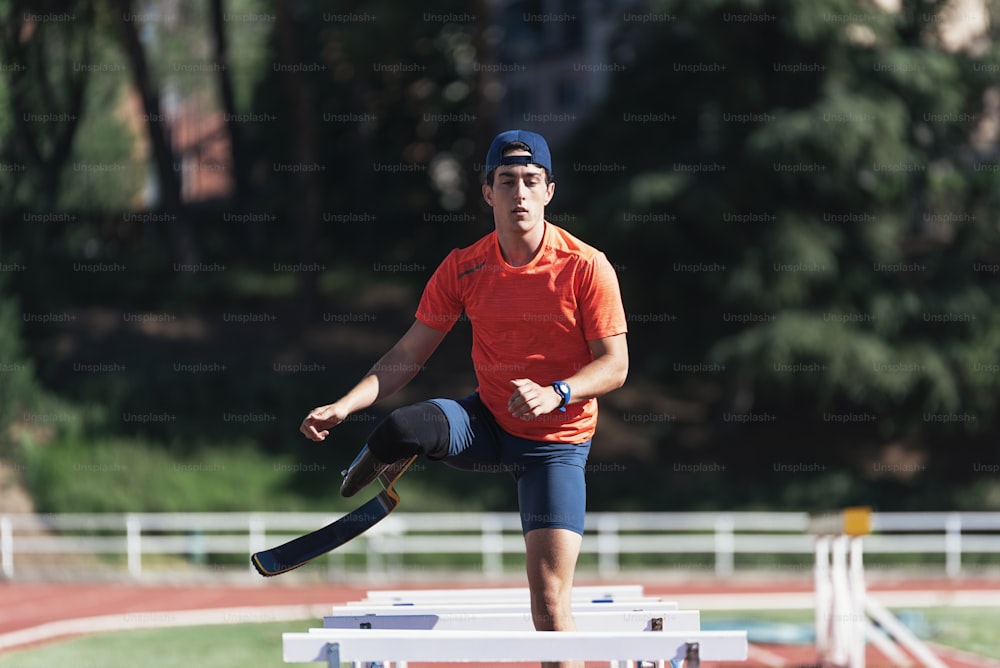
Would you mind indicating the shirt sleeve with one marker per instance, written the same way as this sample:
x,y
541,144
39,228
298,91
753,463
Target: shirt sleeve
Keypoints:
x,y
600,300
440,305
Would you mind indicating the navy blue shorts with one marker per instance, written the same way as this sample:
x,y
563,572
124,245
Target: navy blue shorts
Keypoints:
x,y
551,491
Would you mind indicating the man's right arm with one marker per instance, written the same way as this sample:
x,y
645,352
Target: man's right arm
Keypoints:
x,y
390,374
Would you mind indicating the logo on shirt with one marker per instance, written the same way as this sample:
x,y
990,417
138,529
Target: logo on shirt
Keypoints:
x,y
472,269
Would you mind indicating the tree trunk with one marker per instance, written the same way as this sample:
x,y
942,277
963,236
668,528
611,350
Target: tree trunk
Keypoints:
x,y
49,147
178,231
307,200
484,125
238,153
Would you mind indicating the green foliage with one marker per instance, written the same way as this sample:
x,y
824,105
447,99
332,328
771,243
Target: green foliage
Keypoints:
x,y
47,65
816,216
17,383
28,414
402,122
6,127
79,473
818,212
103,173
102,475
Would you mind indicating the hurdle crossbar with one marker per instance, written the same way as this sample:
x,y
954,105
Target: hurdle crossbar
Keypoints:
x,y
469,608
334,646
648,619
579,593
474,609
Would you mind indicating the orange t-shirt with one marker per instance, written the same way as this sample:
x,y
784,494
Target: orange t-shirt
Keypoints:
x,y
532,321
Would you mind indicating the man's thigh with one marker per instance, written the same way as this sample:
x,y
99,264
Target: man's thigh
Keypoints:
x,y
474,437
552,495
551,485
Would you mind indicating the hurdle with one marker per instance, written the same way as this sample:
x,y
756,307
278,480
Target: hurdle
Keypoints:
x,y
333,646
362,607
642,619
580,593
613,625
846,616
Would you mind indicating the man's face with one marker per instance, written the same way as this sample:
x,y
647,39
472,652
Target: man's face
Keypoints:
x,y
518,195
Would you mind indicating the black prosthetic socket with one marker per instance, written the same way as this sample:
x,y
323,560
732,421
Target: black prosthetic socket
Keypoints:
x,y
418,429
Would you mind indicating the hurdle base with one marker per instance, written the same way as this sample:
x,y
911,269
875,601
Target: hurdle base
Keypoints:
x,y
510,646
692,655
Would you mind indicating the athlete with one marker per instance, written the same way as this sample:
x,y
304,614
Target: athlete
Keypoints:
x,y
548,339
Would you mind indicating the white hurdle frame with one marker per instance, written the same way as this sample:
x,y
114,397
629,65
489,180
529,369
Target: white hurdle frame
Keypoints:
x,y
335,646
517,594
645,619
844,610
495,626
362,607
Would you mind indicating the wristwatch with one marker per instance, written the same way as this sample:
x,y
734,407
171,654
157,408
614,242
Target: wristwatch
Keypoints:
x,y
562,389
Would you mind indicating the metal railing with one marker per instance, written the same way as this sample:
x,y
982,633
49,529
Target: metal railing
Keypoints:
x,y
720,541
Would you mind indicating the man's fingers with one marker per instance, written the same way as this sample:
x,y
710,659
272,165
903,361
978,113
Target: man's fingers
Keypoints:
x,y
314,434
517,401
524,401
529,399
316,424
309,431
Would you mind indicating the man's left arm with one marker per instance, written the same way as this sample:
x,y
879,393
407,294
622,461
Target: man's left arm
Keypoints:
x,y
606,372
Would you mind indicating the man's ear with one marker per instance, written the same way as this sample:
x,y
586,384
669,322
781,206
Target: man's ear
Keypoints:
x,y
488,194
551,188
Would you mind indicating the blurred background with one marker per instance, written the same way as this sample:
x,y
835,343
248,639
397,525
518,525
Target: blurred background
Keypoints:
x,y
215,216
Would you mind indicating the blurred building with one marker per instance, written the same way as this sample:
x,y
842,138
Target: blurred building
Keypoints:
x,y
202,151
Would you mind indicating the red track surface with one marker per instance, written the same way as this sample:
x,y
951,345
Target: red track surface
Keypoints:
x,y
24,606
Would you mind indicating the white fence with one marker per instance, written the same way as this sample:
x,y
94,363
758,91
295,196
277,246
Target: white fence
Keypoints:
x,y
613,542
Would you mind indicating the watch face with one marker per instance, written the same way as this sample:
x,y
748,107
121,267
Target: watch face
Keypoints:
x,y
562,389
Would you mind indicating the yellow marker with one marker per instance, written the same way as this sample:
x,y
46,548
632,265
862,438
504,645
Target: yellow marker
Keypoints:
x,y
857,521
854,521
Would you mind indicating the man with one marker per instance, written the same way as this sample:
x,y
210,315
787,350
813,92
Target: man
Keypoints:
x,y
548,338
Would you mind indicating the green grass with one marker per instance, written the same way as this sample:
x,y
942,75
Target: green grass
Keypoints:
x,y
967,629
259,645
235,646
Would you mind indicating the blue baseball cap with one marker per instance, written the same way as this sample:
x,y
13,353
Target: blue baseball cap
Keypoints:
x,y
535,142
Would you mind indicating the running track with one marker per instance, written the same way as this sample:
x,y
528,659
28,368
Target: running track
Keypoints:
x,y
35,613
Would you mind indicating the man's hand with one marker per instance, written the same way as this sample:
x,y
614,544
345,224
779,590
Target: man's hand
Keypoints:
x,y
320,420
530,399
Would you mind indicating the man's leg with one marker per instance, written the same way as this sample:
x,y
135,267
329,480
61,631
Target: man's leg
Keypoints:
x,y
551,561
418,429
552,497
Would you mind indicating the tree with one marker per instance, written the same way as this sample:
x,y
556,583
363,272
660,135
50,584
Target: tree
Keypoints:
x,y
803,184
183,244
383,99
46,84
307,197
238,147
